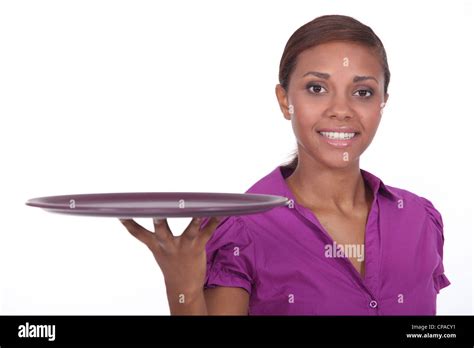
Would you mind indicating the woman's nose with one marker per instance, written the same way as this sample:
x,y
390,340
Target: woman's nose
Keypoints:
x,y
339,108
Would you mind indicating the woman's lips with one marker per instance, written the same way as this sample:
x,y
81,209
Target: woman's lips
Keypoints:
x,y
339,139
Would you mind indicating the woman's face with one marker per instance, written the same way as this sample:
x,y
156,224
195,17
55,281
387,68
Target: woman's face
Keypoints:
x,y
334,100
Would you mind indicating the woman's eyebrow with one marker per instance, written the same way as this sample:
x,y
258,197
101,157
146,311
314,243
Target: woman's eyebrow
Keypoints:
x,y
326,76
318,74
362,78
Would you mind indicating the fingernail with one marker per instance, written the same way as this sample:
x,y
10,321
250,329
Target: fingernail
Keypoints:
x,y
157,220
122,220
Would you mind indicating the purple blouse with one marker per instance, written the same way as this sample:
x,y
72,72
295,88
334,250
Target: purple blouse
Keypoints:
x,y
285,259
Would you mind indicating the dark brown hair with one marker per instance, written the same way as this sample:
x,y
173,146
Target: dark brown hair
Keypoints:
x,y
328,29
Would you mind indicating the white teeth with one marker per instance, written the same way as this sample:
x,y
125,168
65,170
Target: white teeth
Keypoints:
x,y
338,136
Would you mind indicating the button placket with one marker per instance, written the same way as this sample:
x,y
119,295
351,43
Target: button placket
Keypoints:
x,y
310,217
356,278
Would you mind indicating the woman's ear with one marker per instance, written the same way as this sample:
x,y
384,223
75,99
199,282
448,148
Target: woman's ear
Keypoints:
x,y
382,105
282,98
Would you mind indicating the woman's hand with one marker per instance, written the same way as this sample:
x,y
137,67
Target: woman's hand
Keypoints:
x,y
182,259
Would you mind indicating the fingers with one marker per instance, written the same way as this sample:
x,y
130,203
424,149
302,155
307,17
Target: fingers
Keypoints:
x,y
162,229
137,231
207,231
163,232
192,231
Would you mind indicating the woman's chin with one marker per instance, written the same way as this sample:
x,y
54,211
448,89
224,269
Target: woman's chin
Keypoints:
x,y
339,161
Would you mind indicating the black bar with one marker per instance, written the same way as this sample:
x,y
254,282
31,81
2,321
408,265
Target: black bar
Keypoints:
x,y
224,330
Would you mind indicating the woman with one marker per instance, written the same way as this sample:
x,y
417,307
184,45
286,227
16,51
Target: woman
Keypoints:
x,y
347,244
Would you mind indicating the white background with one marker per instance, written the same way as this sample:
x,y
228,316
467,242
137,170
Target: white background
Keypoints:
x,y
117,96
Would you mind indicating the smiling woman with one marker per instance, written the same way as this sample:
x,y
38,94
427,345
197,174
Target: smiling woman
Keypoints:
x,y
334,79
297,259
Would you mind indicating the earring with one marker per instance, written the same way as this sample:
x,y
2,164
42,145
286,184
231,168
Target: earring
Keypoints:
x,y
291,109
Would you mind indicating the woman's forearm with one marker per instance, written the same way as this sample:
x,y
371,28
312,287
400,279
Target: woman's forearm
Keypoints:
x,y
186,303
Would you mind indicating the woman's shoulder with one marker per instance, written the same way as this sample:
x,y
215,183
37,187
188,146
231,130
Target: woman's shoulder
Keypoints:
x,y
414,201
272,182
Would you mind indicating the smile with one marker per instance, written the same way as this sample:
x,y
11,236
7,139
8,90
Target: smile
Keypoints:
x,y
338,135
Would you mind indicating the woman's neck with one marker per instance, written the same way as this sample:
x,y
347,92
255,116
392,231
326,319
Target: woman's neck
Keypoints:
x,y
315,185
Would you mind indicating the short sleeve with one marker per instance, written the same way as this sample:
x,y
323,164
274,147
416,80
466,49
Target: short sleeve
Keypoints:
x,y
230,256
439,278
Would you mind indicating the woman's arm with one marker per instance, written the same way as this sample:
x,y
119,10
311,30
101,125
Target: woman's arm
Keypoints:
x,y
187,303
213,301
227,301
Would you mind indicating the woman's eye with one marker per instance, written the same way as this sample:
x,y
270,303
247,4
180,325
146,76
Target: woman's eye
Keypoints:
x,y
316,89
364,93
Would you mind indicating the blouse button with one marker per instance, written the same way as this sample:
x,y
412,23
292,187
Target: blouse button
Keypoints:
x,y
373,304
